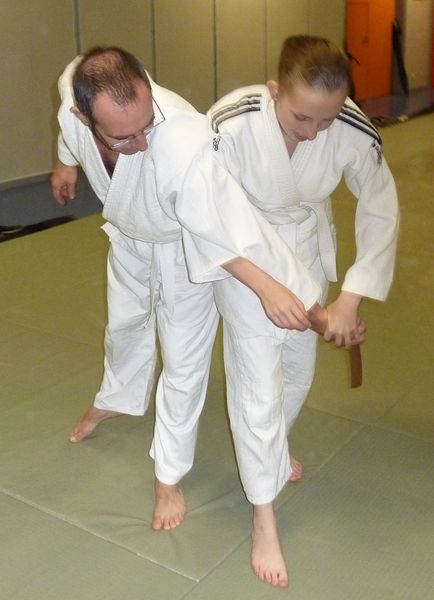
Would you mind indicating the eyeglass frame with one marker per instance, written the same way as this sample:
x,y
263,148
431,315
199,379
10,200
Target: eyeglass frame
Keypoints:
x,y
129,140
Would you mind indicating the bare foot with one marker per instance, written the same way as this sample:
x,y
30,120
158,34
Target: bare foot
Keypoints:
x,y
297,470
170,508
89,422
268,563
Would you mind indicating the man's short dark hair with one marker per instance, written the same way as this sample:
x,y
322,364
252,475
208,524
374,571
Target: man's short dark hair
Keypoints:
x,y
106,69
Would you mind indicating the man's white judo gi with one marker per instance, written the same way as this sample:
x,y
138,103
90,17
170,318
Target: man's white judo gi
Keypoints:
x,y
269,371
150,195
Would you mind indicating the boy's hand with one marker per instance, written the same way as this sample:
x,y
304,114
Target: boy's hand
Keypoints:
x,y
345,326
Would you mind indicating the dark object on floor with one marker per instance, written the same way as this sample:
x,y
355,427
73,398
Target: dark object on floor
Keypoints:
x,y
9,232
384,121
398,56
399,108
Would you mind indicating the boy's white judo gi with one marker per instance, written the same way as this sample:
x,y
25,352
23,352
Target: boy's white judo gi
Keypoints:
x,y
269,371
150,195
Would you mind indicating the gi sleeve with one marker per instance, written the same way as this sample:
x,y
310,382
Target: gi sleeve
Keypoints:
x,y
220,224
65,150
376,224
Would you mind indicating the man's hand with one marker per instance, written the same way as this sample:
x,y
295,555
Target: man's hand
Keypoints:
x,y
345,326
64,183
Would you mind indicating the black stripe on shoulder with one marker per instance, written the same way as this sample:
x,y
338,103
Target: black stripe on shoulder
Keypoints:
x,y
357,119
245,104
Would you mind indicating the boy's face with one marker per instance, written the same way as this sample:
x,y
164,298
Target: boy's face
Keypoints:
x,y
305,110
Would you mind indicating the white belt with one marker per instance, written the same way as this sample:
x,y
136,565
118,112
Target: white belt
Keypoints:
x,y
162,276
327,251
161,282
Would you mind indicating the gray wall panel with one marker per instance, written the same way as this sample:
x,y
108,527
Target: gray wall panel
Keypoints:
x,y
126,24
241,47
284,18
327,19
199,48
184,43
36,40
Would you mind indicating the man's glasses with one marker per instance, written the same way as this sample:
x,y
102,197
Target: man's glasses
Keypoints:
x,y
158,119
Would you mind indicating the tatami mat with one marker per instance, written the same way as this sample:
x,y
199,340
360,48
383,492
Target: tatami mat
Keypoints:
x,y
44,557
361,529
74,519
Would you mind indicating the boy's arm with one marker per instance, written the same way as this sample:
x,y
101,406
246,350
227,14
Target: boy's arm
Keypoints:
x,y
281,306
345,325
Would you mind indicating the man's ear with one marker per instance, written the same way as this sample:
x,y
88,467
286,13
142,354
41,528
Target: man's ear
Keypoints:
x,y
273,88
75,111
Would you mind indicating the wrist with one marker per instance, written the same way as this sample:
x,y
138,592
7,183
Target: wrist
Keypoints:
x,y
252,276
350,299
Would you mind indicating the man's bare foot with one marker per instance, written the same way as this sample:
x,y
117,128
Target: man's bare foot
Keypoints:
x,y
297,470
170,508
268,563
89,422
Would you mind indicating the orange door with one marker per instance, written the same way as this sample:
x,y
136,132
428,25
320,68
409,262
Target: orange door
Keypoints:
x,y
369,41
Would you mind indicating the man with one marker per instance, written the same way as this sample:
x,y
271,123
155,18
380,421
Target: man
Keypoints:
x,y
148,155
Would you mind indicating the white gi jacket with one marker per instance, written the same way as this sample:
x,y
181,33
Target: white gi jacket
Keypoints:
x,y
249,143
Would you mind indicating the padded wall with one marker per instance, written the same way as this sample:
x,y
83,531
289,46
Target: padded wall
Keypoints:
x,y
199,48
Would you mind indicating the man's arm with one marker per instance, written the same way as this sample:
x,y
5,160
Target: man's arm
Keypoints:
x,y
65,173
64,182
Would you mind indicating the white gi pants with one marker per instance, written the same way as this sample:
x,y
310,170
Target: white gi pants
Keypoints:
x,y
269,373
148,288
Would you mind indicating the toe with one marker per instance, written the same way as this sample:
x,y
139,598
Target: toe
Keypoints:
x,y
157,523
73,436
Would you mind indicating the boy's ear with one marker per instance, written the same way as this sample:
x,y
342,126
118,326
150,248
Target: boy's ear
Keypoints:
x,y
75,111
273,88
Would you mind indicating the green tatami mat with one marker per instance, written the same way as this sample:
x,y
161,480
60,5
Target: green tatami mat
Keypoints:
x,y
35,266
362,529
105,484
44,558
32,361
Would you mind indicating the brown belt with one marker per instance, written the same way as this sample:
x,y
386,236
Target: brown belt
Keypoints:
x,y
356,367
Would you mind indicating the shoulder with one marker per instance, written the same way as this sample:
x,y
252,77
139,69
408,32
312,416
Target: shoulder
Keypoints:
x,y
183,129
169,100
180,140
353,119
240,102
65,80
183,124
355,136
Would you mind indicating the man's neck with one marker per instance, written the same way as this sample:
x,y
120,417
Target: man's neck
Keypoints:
x,y
109,157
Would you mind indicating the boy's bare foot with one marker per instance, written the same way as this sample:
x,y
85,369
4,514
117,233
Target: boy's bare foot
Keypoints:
x,y
297,470
268,563
89,422
170,508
